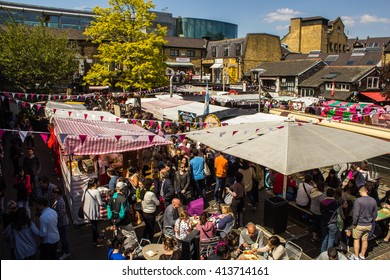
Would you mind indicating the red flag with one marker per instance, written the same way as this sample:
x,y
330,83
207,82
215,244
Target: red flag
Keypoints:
x,y
82,138
332,92
70,113
85,116
118,137
101,118
151,137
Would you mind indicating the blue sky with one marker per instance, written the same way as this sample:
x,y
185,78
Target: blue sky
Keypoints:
x,y
362,18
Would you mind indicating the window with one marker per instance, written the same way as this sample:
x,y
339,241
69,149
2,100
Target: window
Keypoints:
x,y
372,82
344,87
358,52
174,53
330,58
287,85
190,53
72,45
225,50
307,92
314,53
214,51
350,62
330,46
238,49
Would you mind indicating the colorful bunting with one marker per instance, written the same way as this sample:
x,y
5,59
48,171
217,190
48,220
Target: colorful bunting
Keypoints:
x,y
151,137
82,138
22,135
44,137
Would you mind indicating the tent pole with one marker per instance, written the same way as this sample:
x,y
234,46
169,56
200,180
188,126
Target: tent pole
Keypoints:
x,y
284,186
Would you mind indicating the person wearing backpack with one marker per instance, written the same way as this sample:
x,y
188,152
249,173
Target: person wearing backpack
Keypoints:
x,y
118,210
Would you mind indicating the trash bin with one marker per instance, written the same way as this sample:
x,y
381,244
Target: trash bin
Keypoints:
x,y
275,214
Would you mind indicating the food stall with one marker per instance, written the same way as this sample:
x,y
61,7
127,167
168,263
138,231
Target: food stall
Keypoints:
x,y
82,140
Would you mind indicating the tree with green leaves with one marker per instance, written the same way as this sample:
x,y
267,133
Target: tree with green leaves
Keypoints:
x,y
384,80
35,58
129,46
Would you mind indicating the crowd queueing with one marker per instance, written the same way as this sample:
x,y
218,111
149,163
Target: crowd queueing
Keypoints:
x,y
167,183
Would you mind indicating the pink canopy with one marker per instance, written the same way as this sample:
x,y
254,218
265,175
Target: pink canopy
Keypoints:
x,y
83,137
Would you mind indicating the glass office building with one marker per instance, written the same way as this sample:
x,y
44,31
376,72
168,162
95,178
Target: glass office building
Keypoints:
x,y
51,17
79,19
198,28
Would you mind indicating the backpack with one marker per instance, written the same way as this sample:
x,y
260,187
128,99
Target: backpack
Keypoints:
x,y
115,208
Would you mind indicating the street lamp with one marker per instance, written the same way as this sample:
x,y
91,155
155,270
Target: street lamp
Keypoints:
x,y
170,72
259,72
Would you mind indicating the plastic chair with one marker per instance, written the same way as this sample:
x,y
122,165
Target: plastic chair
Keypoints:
x,y
294,252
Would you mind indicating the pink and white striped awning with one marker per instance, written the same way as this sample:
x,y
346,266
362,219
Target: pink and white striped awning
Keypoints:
x,y
84,137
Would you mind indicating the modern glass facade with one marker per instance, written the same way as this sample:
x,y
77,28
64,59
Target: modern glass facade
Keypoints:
x,y
198,28
79,19
51,17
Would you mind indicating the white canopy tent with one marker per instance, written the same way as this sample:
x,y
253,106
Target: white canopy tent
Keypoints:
x,y
293,147
258,117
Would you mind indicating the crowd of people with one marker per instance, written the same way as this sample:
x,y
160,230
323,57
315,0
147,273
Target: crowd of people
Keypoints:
x,y
167,180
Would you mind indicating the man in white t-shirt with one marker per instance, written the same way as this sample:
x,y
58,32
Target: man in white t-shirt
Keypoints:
x,y
303,194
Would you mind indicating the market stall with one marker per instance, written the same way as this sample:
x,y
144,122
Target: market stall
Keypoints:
x,y
81,140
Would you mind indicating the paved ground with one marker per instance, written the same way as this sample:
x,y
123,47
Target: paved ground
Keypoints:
x,y
80,238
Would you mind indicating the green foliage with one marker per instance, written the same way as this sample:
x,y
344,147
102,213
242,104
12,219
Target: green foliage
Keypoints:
x,y
130,48
35,58
384,80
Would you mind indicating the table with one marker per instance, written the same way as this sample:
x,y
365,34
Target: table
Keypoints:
x,y
153,251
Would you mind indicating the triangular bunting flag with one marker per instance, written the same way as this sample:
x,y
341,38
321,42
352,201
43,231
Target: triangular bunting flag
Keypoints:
x,y
55,97
13,95
134,121
17,102
222,134
1,133
32,96
82,138
168,124
142,122
85,116
44,137
151,123
24,104
117,119
118,137
70,113
23,135
26,95
224,124
234,132
38,107
151,137
320,120
19,95
54,110
31,105
159,124
204,125
2,98
279,127
181,137
101,118
63,136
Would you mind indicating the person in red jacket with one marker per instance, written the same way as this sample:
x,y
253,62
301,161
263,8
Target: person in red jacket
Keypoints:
x,y
278,186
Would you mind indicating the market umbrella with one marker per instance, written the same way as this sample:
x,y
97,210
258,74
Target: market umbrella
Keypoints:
x,y
294,147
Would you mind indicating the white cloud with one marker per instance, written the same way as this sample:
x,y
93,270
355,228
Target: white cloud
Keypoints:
x,y
282,27
373,19
83,8
348,21
284,14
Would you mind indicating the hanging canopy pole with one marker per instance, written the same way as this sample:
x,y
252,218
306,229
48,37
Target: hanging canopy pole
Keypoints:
x,y
284,186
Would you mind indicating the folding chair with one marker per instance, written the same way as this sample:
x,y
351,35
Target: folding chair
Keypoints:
x,y
226,230
207,247
294,252
159,220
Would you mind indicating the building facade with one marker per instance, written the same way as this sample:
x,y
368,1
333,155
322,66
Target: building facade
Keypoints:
x,y
316,34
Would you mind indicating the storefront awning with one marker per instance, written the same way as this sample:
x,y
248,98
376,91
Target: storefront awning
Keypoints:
x,y
216,65
377,96
183,64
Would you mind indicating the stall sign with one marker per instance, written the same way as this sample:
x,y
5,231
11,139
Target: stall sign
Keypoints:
x,y
187,117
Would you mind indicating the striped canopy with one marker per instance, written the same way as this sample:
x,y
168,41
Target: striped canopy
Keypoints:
x,y
84,137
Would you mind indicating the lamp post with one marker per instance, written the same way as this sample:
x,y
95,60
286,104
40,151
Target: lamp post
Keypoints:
x,y
259,72
170,72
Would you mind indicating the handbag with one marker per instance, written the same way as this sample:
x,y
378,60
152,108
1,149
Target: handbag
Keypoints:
x,y
228,199
80,214
206,168
138,206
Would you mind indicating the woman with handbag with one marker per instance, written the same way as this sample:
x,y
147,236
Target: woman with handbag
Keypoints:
x,y
92,201
237,191
149,204
182,184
